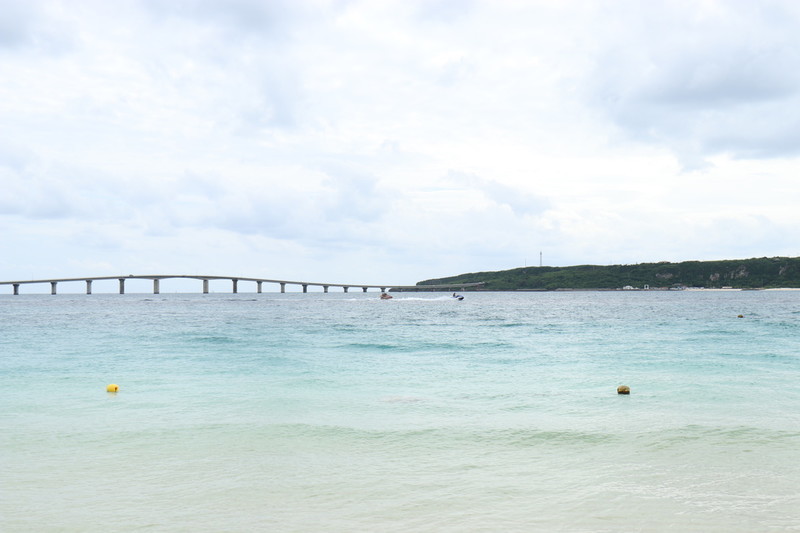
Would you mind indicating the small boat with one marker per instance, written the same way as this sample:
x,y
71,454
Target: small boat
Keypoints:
x,y
385,296
458,297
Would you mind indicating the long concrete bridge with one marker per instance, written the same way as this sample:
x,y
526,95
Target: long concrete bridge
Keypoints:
x,y
156,279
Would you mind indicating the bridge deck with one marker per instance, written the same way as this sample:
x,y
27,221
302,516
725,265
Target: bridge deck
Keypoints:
x,y
235,279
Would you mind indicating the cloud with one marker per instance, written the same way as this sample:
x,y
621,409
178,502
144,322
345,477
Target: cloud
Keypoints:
x,y
395,139
15,24
238,19
718,79
443,11
520,201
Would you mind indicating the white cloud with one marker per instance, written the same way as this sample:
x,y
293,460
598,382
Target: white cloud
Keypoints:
x,y
393,141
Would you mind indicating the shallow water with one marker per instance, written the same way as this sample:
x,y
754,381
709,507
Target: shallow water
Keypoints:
x,y
341,412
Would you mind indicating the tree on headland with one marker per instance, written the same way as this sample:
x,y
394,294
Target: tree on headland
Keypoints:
x,y
757,273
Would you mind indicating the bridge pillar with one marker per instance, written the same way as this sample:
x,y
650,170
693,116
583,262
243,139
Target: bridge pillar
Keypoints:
x,y
155,286
122,285
305,288
383,289
235,286
258,284
283,287
16,289
345,288
364,289
88,286
205,286
325,288
53,287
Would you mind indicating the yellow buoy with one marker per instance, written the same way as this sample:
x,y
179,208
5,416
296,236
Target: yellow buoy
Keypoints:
x,y
112,388
740,316
623,389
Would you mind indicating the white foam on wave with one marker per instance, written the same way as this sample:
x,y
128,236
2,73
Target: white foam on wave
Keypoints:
x,y
418,299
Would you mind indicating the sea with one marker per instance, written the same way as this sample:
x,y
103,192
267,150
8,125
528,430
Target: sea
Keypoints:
x,y
340,412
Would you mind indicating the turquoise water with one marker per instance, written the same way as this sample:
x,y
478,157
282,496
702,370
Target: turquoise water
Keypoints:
x,y
341,412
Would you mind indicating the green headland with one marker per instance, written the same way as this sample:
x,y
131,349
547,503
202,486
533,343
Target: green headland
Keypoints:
x,y
760,273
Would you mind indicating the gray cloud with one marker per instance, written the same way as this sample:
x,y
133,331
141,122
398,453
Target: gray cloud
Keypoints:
x,y
26,26
274,102
720,82
521,202
16,24
239,18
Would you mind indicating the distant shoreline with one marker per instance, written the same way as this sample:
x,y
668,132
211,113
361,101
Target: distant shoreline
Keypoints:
x,y
765,273
655,289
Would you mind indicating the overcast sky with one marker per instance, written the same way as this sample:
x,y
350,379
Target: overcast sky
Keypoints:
x,y
389,142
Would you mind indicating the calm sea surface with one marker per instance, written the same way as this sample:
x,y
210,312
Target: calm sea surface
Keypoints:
x,y
341,412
